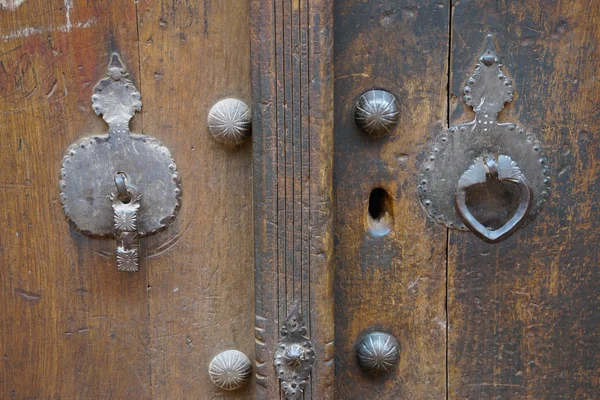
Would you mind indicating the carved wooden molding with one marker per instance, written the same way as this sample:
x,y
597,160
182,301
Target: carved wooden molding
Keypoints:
x,y
292,86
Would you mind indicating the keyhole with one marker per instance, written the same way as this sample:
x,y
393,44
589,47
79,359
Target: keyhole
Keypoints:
x,y
380,217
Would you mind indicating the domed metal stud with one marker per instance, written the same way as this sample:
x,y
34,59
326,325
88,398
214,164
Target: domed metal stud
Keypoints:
x,y
376,112
294,355
229,121
378,353
230,370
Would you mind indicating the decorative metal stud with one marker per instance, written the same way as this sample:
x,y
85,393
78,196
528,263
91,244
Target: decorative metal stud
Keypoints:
x,y
376,112
229,121
378,353
294,357
457,150
119,185
230,370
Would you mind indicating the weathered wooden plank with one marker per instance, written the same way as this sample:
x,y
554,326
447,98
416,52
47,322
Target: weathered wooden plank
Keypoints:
x,y
524,317
70,325
200,271
395,282
292,91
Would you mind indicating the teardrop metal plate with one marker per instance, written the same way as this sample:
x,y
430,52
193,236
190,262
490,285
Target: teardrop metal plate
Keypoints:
x,y
90,165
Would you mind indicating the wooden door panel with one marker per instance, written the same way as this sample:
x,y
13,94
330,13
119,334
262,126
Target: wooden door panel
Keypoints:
x,y
71,325
523,314
200,275
393,283
292,89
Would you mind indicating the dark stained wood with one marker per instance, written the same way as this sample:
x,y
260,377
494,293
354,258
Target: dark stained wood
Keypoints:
x,y
200,271
524,315
292,88
394,283
70,325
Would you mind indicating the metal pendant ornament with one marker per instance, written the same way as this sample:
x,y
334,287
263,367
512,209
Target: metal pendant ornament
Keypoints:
x,y
483,154
119,185
126,203
294,357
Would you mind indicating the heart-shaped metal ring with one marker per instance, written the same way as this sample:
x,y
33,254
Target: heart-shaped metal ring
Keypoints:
x,y
483,170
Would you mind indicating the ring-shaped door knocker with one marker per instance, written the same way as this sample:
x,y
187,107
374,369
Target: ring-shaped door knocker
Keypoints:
x,y
483,152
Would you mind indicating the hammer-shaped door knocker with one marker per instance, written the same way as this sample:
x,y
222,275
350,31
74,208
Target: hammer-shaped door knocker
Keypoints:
x,y
481,166
119,185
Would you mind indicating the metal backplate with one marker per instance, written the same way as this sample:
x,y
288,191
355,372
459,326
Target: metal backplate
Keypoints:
x,y
89,168
455,149
294,357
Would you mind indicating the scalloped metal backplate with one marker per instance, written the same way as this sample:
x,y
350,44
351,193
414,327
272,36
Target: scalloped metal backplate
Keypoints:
x,y
453,153
87,180
89,167
455,149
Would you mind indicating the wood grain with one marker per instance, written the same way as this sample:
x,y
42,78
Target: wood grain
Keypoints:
x,y
292,87
201,297
200,274
395,282
524,317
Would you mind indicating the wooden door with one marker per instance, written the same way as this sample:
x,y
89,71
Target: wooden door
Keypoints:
x,y
517,319
296,246
72,327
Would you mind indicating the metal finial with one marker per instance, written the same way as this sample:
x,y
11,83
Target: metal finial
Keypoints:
x,y
488,89
115,97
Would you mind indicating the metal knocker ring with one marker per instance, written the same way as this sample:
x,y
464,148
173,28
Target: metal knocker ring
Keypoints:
x,y
123,188
105,178
486,169
448,170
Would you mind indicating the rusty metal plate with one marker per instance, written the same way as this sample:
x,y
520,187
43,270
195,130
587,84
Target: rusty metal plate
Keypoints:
x,y
90,165
455,149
